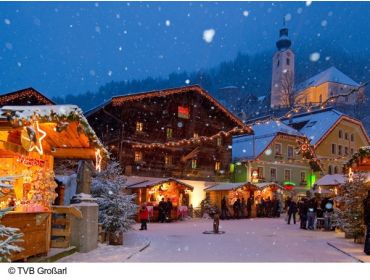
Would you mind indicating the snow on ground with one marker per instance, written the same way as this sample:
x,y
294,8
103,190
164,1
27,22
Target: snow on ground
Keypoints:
x,y
254,240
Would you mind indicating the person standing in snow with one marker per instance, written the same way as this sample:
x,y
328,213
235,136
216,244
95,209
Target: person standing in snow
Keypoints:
x,y
249,206
311,214
224,210
144,216
292,211
168,209
243,213
162,211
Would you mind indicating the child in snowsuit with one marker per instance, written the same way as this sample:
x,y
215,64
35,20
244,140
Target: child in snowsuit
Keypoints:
x,y
144,216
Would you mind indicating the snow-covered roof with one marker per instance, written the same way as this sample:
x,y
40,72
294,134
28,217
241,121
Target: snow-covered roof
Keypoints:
x,y
26,112
145,182
248,147
331,180
261,186
315,124
331,74
226,186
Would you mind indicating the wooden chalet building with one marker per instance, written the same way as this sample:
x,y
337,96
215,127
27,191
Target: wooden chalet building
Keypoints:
x,y
181,132
24,97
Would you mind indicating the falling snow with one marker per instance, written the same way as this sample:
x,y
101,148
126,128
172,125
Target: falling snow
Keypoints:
x,y
208,35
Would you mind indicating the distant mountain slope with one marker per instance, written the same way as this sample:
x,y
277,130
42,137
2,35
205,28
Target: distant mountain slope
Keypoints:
x,y
251,73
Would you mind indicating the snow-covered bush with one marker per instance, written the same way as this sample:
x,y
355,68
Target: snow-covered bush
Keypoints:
x,y
116,209
8,236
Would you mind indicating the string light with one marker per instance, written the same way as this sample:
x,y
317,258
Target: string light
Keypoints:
x,y
98,160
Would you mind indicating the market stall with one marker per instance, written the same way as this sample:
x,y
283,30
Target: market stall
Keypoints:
x,y
329,185
232,192
30,138
151,191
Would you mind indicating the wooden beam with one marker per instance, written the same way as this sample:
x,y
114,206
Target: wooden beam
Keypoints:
x,y
74,153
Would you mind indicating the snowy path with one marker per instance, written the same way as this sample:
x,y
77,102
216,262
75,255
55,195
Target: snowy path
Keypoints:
x,y
255,240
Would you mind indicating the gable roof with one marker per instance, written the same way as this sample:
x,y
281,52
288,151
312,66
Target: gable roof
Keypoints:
x,y
148,182
16,97
331,74
249,147
317,124
118,100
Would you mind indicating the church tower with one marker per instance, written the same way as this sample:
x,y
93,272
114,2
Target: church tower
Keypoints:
x,y
282,83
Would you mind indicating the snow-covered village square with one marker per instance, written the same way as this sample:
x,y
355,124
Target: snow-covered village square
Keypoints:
x,y
184,132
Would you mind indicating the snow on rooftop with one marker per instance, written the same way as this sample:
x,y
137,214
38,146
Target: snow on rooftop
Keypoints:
x,y
27,112
251,146
331,74
316,124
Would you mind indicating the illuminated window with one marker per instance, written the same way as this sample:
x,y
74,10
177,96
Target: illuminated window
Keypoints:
x,y
303,176
219,141
287,175
217,166
340,133
278,149
183,112
273,174
290,151
169,132
138,156
168,160
139,126
194,163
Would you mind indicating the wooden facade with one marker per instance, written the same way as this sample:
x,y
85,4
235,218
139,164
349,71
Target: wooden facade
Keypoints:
x,y
182,133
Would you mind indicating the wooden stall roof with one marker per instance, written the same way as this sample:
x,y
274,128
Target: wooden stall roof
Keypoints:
x,y
147,182
68,133
229,186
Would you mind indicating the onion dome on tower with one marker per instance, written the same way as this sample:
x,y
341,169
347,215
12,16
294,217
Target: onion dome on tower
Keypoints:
x,y
284,42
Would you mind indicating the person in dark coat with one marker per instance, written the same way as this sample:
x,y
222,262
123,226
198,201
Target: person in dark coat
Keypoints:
x,y
303,208
275,207
249,206
243,211
311,214
162,211
367,223
292,211
262,207
144,216
224,209
168,209
236,208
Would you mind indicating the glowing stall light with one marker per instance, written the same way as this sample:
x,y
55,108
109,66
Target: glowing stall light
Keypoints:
x,y
350,175
311,180
98,159
289,185
32,137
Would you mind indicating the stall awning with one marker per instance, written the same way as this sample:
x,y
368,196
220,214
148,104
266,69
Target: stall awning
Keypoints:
x,y
229,186
138,183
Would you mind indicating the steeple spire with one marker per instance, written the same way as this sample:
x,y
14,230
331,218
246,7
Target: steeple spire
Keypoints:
x,y
284,42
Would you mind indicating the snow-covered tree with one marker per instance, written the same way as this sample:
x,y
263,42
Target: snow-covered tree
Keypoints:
x,y
8,236
116,209
349,215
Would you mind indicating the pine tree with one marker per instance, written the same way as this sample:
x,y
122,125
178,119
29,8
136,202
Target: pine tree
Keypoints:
x,y
116,209
349,216
8,236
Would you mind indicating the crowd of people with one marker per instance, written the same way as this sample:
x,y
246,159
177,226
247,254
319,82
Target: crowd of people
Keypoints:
x,y
241,208
308,209
269,208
